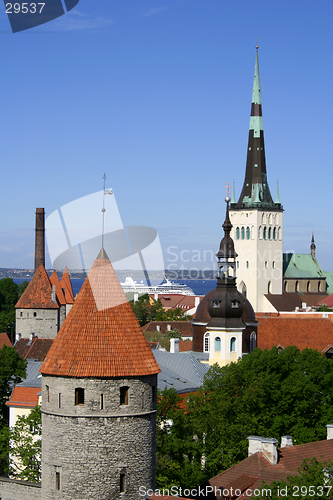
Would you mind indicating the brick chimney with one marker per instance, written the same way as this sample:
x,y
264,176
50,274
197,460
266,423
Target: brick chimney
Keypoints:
x,y
40,238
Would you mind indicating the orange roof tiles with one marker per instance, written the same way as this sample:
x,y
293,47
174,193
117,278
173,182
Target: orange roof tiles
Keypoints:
x,y
303,332
37,295
24,396
5,340
66,285
55,282
101,336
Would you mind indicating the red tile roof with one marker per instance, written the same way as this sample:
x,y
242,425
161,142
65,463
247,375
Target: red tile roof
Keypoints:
x,y
259,467
174,300
4,340
101,336
55,282
36,350
37,295
66,284
314,333
24,396
185,345
328,301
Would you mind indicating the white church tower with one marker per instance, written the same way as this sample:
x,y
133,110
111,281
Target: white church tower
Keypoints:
x,y
257,220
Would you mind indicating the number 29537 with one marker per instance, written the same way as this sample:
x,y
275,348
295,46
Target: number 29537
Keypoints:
x,y
32,8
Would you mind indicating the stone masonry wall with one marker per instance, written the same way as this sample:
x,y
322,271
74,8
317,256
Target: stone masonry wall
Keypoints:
x,y
44,323
86,448
12,489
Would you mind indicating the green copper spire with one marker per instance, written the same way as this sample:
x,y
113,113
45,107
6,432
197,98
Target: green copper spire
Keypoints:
x,y
255,192
233,197
277,200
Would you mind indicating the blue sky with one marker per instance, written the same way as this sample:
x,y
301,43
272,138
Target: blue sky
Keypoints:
x,y
157,95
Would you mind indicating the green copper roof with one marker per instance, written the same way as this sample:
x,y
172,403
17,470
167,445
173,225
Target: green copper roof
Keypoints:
x,y
277,193
256,95
301,265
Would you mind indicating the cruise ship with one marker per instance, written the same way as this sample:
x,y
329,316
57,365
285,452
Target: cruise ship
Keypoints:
x,y
166,287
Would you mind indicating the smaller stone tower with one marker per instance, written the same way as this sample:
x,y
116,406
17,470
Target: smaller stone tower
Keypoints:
x,y
40,238
99,390
226,305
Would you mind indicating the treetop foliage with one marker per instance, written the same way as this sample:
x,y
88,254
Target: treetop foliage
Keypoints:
x,y
265,393
12,371
146,310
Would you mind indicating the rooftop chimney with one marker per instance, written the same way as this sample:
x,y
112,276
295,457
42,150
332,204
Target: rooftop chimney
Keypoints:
x,y
266,445
329,431
40,238
286,441
174,345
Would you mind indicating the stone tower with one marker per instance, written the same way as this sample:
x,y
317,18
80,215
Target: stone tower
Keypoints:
x,y
39,238
257,220
226,306
99,384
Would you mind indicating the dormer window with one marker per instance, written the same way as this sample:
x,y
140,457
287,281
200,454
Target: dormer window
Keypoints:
x,y
235,304
216,304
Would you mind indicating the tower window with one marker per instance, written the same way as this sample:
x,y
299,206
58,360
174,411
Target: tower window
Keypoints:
x,y
274,233
273,264
35,314
102,402
266,264
237,264
265,233
122,483
244,290
58,481
206,342
124,395
217,344
247,264
247,233
233,344
79,397
59,399
270,233
269,287
47,393
237,235
243,233
21,314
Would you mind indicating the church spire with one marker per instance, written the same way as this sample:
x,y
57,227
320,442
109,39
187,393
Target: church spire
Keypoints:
x,y
255,192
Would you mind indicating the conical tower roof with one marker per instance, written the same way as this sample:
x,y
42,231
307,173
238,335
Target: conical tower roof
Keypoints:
x,y
256,192
101,336
66,285
38,294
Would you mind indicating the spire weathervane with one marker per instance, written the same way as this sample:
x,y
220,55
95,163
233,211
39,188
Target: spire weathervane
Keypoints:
x,y
105,191
257,46
227,187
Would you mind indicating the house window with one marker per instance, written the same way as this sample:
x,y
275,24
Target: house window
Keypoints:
x,y
102,401
253,341
232,344
206,342
124,395
217,344
122,483
79,397
58,481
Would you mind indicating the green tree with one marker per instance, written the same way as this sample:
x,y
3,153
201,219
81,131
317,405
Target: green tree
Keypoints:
x,y
25,447
22,286
179,450
9,295
313,481
173,334
146,310
12,371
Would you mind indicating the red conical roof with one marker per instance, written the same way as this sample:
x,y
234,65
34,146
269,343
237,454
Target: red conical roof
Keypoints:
x,y
101,336
38,294
59,293
66,285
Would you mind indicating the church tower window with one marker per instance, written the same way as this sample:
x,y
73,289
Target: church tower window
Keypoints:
x,y
247,233
237,233
270,233
243,233
265,233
